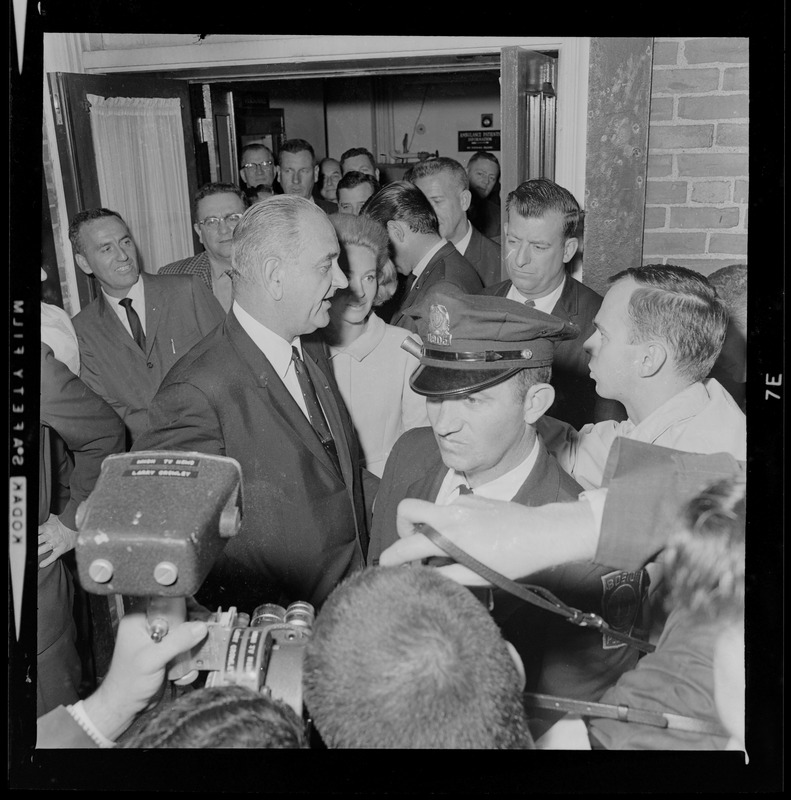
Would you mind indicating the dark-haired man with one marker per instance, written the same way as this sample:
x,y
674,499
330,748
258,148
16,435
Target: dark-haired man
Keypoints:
x,y
540,239
483,170
358,159
354,189
418,250
216,209
139,325
404,658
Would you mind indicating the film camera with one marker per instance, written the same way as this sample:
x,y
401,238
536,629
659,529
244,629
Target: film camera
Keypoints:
x,y
152,528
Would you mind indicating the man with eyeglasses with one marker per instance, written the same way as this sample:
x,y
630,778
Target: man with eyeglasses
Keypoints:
x,y
297,172
257,165
139,324
216,209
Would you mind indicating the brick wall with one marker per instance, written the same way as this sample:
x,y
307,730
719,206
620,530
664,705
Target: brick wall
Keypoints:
x,y
696,192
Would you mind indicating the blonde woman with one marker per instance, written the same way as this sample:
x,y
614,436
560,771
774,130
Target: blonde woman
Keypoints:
x,y
371,369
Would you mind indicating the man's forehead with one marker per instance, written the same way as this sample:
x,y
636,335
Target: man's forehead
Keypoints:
x,y
330,167
104,227
257,152
299,157
359,160
220,200
617,296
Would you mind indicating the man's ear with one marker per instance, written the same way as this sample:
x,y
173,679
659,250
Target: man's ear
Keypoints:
x,y
395,230
316,173
83,264
466,199
198,231
241,175
277,173
570,248
376,175
538,400
653,359
272,277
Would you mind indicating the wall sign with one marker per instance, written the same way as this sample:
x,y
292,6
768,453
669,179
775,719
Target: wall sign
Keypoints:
x,y
470,141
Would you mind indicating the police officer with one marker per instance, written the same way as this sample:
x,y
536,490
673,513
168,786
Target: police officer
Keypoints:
x,y
485,369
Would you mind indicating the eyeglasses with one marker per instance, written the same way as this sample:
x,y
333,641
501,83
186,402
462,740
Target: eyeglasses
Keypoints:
x,y
214,222
259,167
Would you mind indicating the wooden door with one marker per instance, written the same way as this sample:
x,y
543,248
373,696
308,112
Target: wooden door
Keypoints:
x,y
71,111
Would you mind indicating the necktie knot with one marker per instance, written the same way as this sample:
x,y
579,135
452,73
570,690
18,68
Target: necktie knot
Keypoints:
x,y
530,303
464,489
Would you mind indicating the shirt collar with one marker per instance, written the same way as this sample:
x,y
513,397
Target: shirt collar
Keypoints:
x,y
545,303
423,263
274,347
366,342
136,294
503,488
462,245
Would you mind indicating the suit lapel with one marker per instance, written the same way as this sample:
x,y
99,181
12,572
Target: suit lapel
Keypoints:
x,y
567,306
428,486
264,376
115,328
154,304
542,484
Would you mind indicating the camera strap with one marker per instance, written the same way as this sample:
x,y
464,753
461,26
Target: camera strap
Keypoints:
x,y
658,719
536,595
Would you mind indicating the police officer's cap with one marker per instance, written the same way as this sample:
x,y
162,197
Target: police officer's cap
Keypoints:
x,y
471,341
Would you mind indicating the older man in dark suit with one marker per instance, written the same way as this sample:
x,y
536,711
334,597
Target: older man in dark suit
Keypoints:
x,y
540,239
485,371
419,252
446,184
254,391
138,325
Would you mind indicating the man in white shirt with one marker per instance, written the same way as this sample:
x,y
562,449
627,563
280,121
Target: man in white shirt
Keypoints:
x,y
485,371
242,393
446,184
658,333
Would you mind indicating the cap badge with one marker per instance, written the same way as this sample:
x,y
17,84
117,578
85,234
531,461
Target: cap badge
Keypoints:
x,y
527,353
439,325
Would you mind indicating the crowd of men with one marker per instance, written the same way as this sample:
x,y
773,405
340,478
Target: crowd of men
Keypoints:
x,y
577,444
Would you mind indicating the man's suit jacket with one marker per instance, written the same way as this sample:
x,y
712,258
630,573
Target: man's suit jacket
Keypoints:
x,y
194,265
303,528
576,401
484,255
180,311
446,265
559,658
91,430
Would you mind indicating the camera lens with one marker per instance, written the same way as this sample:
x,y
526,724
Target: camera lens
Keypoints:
x,y
267,614
301,613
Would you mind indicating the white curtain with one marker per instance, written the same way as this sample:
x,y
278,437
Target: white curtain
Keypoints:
x,y
139,145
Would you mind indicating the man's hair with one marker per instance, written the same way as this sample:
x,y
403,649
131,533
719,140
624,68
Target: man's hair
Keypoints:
x,y
483,155
84,217
296,146
208,189
536,198
221,717
402,201
364,232
358,151
704,558
730,284
678,306
353,179
278,226
436,166
406,658
528,377
254,146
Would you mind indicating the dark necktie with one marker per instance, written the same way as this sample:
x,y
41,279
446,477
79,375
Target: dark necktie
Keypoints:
x,y
486,596
134,323
530,303
315,414
410,280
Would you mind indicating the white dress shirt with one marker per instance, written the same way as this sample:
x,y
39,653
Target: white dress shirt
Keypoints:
x,y
137,295
545,303
503,488
277,350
